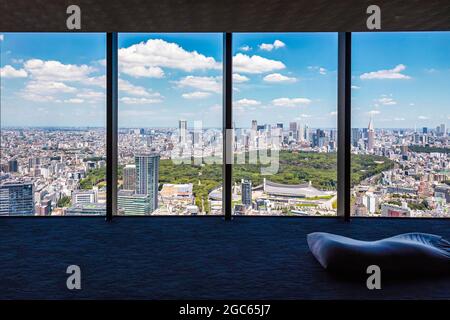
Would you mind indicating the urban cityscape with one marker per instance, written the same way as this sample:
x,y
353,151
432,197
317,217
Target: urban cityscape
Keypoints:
x,y
57,171
170,142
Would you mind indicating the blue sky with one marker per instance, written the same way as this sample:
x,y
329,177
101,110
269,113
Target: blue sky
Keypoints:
x,y
399,79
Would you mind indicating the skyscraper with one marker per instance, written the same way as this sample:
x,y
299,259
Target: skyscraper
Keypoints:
x,y
370,136
182,131
129,177
246,186
356,135
254,125
16,198
147,177
293,130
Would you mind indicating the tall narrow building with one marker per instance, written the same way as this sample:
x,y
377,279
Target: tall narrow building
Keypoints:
x,y
129,177
254,125
246,191
370,136
182,131
147,177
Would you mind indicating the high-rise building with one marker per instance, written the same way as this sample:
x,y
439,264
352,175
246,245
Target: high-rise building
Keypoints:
x,y
131,203
370,136
319,138
254,125
13,165
147,177
293,130
16,198
182,131
246,191
443,130
129,177
356,135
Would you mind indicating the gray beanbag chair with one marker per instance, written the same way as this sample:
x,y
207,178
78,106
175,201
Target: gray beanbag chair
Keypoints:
x,y
403,254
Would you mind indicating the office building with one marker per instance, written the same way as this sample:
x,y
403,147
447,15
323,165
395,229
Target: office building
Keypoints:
x,y
254,125
147,177
16,198
131,203
246,186
129,177
84,196
182,131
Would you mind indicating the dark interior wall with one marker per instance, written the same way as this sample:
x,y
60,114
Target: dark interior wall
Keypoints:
x,y
224,15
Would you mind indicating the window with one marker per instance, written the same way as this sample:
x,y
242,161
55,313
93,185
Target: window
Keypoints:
x,y
400,118
284,113
53,118
170,124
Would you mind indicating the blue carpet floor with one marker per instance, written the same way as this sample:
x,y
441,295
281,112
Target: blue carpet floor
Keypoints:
x,y
193,258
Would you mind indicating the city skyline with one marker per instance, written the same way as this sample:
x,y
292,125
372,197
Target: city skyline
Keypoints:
x,y
395,78
170,137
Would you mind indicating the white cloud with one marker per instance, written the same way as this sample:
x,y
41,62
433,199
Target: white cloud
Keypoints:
x,y
44,90
48,87
270,46
196,95
73,100
422,118
2,37
373,112
237,78
394,73
303,116
387,101
10,72
133,90
290,102
99,81
143,71
246,103
245,48
399,119
56,71
91,96
319,69
255,64
333,113
277,77
356,87
146,59
211,84
133,100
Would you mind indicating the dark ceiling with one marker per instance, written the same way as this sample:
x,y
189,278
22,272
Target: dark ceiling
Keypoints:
x,y
224,15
